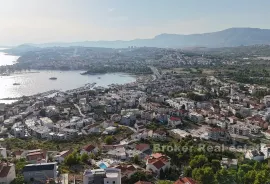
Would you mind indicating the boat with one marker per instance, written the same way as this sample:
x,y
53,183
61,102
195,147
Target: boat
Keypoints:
x,y
5,74
99,77
16,84
53,78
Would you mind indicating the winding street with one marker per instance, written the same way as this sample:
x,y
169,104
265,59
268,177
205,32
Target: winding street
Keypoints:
x,y
79,109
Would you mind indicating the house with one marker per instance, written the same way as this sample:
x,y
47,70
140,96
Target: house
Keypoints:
x,y
3,152
107,124
159,135
219,134
37,156
91,129
266,100
40,172
178,133
196,117
118,153
229,163
60,157
18,130
141,135
51,111
258,121
111,130
45,121
7,173
40,132
139,125
126,170
2,107
232,119
2,118
125,120
254,155
105,176
185,180
131,153
265,148
244,129
174,121
17,154
143,147
148,115
156,162
89,149
115,117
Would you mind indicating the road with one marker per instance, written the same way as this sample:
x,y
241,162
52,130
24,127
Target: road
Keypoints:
x,y
155,71
132,129
79,109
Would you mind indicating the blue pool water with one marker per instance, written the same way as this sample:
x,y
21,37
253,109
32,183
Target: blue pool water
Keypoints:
x,y
102,166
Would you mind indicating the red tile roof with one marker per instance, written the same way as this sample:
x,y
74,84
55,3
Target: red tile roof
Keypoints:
x,y
39,155
5,170
157,155
185,180
175,118
143,182
65,153
217,130
158,160
18,153
89,148
126,169
142,146
158,164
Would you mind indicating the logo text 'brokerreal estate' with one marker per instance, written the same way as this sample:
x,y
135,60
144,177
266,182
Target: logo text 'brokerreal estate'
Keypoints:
x,y
202,148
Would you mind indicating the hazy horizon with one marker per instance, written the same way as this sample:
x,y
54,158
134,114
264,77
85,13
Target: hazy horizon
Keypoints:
x,y
44,21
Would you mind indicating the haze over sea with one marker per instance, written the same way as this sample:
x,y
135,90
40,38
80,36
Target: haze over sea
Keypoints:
x,y
33,82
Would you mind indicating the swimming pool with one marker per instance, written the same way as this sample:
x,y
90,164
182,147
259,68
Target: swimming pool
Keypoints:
x,y
102,166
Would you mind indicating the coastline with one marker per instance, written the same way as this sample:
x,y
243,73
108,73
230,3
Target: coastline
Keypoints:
x,y
100,82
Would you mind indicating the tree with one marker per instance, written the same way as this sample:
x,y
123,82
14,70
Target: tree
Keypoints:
x,y
198,161
215,164
262,177
250,177
238,115
240,176
161,174
257,166
42,112
204,175
84,157
164,182
72,159
203,81
223,177
187,172
18,180
19,165
136,159
109,140
183,107
139,176
245,168
92,155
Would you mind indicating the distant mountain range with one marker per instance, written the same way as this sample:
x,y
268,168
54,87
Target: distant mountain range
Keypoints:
x,y
227,38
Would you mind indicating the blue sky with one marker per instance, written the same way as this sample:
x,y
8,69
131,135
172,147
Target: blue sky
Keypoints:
x,y
39,21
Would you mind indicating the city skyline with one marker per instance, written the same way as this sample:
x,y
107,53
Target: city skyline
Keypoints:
x,y
31,21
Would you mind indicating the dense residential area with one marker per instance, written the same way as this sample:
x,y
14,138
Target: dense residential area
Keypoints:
x,y
180,122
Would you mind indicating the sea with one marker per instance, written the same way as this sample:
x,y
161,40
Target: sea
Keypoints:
x,y
37,81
